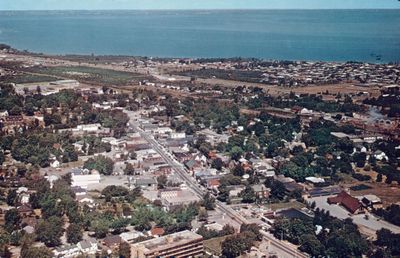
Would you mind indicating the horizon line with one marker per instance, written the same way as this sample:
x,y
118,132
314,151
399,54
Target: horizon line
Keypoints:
x,y
199,9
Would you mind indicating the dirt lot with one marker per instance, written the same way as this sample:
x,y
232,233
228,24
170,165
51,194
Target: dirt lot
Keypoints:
x,y
388,193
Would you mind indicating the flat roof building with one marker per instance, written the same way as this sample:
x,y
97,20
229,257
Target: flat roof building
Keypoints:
x,y
179,245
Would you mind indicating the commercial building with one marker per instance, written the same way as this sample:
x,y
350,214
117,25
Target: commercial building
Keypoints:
x,y
179,245
83,178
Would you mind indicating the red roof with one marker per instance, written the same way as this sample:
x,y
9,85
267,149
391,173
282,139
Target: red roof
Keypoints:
x,y
213,182
157,231
346,200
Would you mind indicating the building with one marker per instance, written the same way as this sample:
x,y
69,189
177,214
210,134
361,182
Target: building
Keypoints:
x,y
112,241
146,183
88,246
261,191
66,251
371,201
182,244
350,203
172,198
83,178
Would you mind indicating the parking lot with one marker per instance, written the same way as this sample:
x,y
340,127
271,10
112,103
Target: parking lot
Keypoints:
x,y
370,221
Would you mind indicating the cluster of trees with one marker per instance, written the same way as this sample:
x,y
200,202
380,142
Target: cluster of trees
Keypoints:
x,y
114,119
388,242
391,214
9,100
100,163
54,203
93,144
113,192
36,147
210,233
335,237
237,244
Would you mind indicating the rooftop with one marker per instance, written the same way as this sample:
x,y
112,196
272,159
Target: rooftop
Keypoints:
x,y
168,241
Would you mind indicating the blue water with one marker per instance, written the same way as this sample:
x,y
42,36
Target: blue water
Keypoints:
x,y
328,35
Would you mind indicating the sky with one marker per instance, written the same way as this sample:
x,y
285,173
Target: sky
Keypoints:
x,y
195,4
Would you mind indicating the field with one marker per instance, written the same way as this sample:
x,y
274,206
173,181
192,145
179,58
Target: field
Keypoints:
x,y
237,75
90,74
388,193
29,78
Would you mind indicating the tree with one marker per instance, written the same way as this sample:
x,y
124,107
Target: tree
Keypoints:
x,y
49,231
12,219
209,202
69,154
360,159
278,190
203,215
248,195
119,225
74,233
100,163
217,164
236,153
162,181
235,245
114,191
12,198
100,227
379,178
2,158
238,170
311,245
129,169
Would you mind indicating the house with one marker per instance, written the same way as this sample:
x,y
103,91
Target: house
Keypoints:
x,y
66,251
315,180
24,198
261,191
130,236
371,201
78,191
112,241
85,199
146,183
265,170
353,205
88,246
213,183
25,210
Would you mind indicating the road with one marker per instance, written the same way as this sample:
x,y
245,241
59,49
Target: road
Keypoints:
x,y
184,174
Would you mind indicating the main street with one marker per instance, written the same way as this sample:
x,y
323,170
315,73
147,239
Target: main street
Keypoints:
x,y
184,174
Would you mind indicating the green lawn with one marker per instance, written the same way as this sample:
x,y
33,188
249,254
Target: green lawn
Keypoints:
x,y
91,74
29,78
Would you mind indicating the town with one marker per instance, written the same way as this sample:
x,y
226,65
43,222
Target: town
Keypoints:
x,y
141,157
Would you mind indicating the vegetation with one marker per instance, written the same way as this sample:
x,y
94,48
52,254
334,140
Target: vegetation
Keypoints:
x,y
336,239
100,163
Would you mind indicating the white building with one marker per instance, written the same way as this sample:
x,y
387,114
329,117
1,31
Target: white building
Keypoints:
x,y
177,135
88,246
83,178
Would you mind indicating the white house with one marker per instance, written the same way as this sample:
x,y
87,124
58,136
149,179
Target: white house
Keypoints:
x,y
88,246
66,252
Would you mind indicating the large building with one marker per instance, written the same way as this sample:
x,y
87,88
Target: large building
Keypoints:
x,y
179,245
